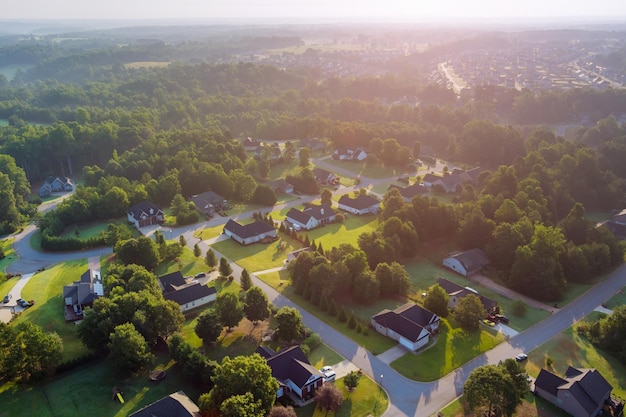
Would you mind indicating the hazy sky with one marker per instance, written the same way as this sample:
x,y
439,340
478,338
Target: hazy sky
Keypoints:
x,y
246,9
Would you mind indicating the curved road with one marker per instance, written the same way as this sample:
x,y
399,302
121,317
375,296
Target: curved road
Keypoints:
x,y
407,397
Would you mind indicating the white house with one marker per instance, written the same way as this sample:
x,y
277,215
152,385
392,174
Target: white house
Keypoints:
x,y
363,204
468,262
249,233
311,217
187,294
410,325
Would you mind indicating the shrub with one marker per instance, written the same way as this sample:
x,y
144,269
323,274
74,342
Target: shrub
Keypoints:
x,y
342,316
549,361
312,341
352,321
519,308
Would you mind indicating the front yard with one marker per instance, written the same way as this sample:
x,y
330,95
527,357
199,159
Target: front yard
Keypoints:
x,y
9,254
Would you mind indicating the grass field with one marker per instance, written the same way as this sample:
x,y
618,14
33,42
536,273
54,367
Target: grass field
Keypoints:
x,y
45,288
368,399
9,253
85,231
453,348
259,256
363,169
188,265
617,300
531,406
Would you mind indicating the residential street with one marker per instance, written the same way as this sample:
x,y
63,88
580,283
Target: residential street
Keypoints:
x,y
407,398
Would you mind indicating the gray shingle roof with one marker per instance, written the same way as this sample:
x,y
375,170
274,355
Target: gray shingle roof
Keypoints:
x,y
359,203
248,230
146,208
291,363
472,259
407,320
174,405
453,288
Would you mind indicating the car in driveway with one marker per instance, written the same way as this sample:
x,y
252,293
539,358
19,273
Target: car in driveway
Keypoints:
x,y
502,319
521,357
200,275
23,303
326,368
7,298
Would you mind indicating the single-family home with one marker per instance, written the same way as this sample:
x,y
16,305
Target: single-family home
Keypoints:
x,y
251,144
271,152
410,192
187,294
250,233
456,292
311,217
409,324
349,154
617,224
209,203
145,213
81,294
430,179
323,177
55,185
295,375
468,262
581,393
174,405
281,186
291,256
363,204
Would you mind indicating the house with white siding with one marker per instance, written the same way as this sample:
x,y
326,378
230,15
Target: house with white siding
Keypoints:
x,y
363,204
409,324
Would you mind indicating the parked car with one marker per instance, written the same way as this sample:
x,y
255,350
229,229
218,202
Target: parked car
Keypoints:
x,y
23,303
7,298
330,376
502,319
200,275
521,357
489,323
326,369
491,317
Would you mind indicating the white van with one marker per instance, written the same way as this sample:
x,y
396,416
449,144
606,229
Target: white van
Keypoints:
x,y
329,376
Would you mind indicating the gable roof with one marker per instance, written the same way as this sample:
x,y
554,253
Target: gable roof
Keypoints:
x,y
144,208
189,292
359,203
86,290
453,288
321,174
408,320
170,281
588,386
430,178
174,405
472,259
323,211
291,364
206,199
248,230
297,215
409,191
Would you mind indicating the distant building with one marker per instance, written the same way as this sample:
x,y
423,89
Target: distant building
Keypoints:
x,y
410,192
250,233
55,185
456,292
468,262
250,144
323,177
281,186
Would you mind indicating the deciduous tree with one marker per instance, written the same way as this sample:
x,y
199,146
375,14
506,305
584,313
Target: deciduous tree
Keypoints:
x,y
437,301
129,350
208,328
469,311
256,305
490,386
229,309
328,398
289,324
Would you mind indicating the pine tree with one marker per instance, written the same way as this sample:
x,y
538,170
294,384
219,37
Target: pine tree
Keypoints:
x,y
281,228
313,246
270,220
332,309
341,316
351,321
196,251
182,241
359,328
320,249
324,304
210,259
245,280
306,241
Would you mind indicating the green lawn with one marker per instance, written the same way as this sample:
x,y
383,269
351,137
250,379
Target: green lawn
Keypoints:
x,y
322,355
361,168
209,232
617,300
87,390
258,256
85,231
372,341
188,265
9,253
367,399
424,274
598,216
532,406
46,288
6,286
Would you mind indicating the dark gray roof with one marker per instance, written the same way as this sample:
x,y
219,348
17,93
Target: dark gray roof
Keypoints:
x,y
299,216
359,203
145,207
407,320
291,363
189,292
174,405
453,288
321,174
549,382
205,200
265,351
83,291
472,259
320,212
248,230
410,191
430,178
170,281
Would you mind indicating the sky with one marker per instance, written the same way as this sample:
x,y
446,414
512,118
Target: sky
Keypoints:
x,y
325,9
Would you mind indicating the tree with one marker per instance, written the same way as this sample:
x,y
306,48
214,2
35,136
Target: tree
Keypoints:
x,y
256,305
242,405
241,375
245,281
225,268
141,251
264,195
437,301
182,241
327,196
492,387
469,311
289,324
280,411
196,250
305,157
328,398
129,349
229,309
210,259
352,380
208,328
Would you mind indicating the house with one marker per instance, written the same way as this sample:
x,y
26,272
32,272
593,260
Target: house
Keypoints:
x,y
281,186
187,294
410,192
145,214
272,152
430,179
250,233
617,224
350,154
295,375
250,144
582,393
291,256
311,217
55,185
209,203
468,262
363,204
81,294
409,324
456,292
323,177
174,405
